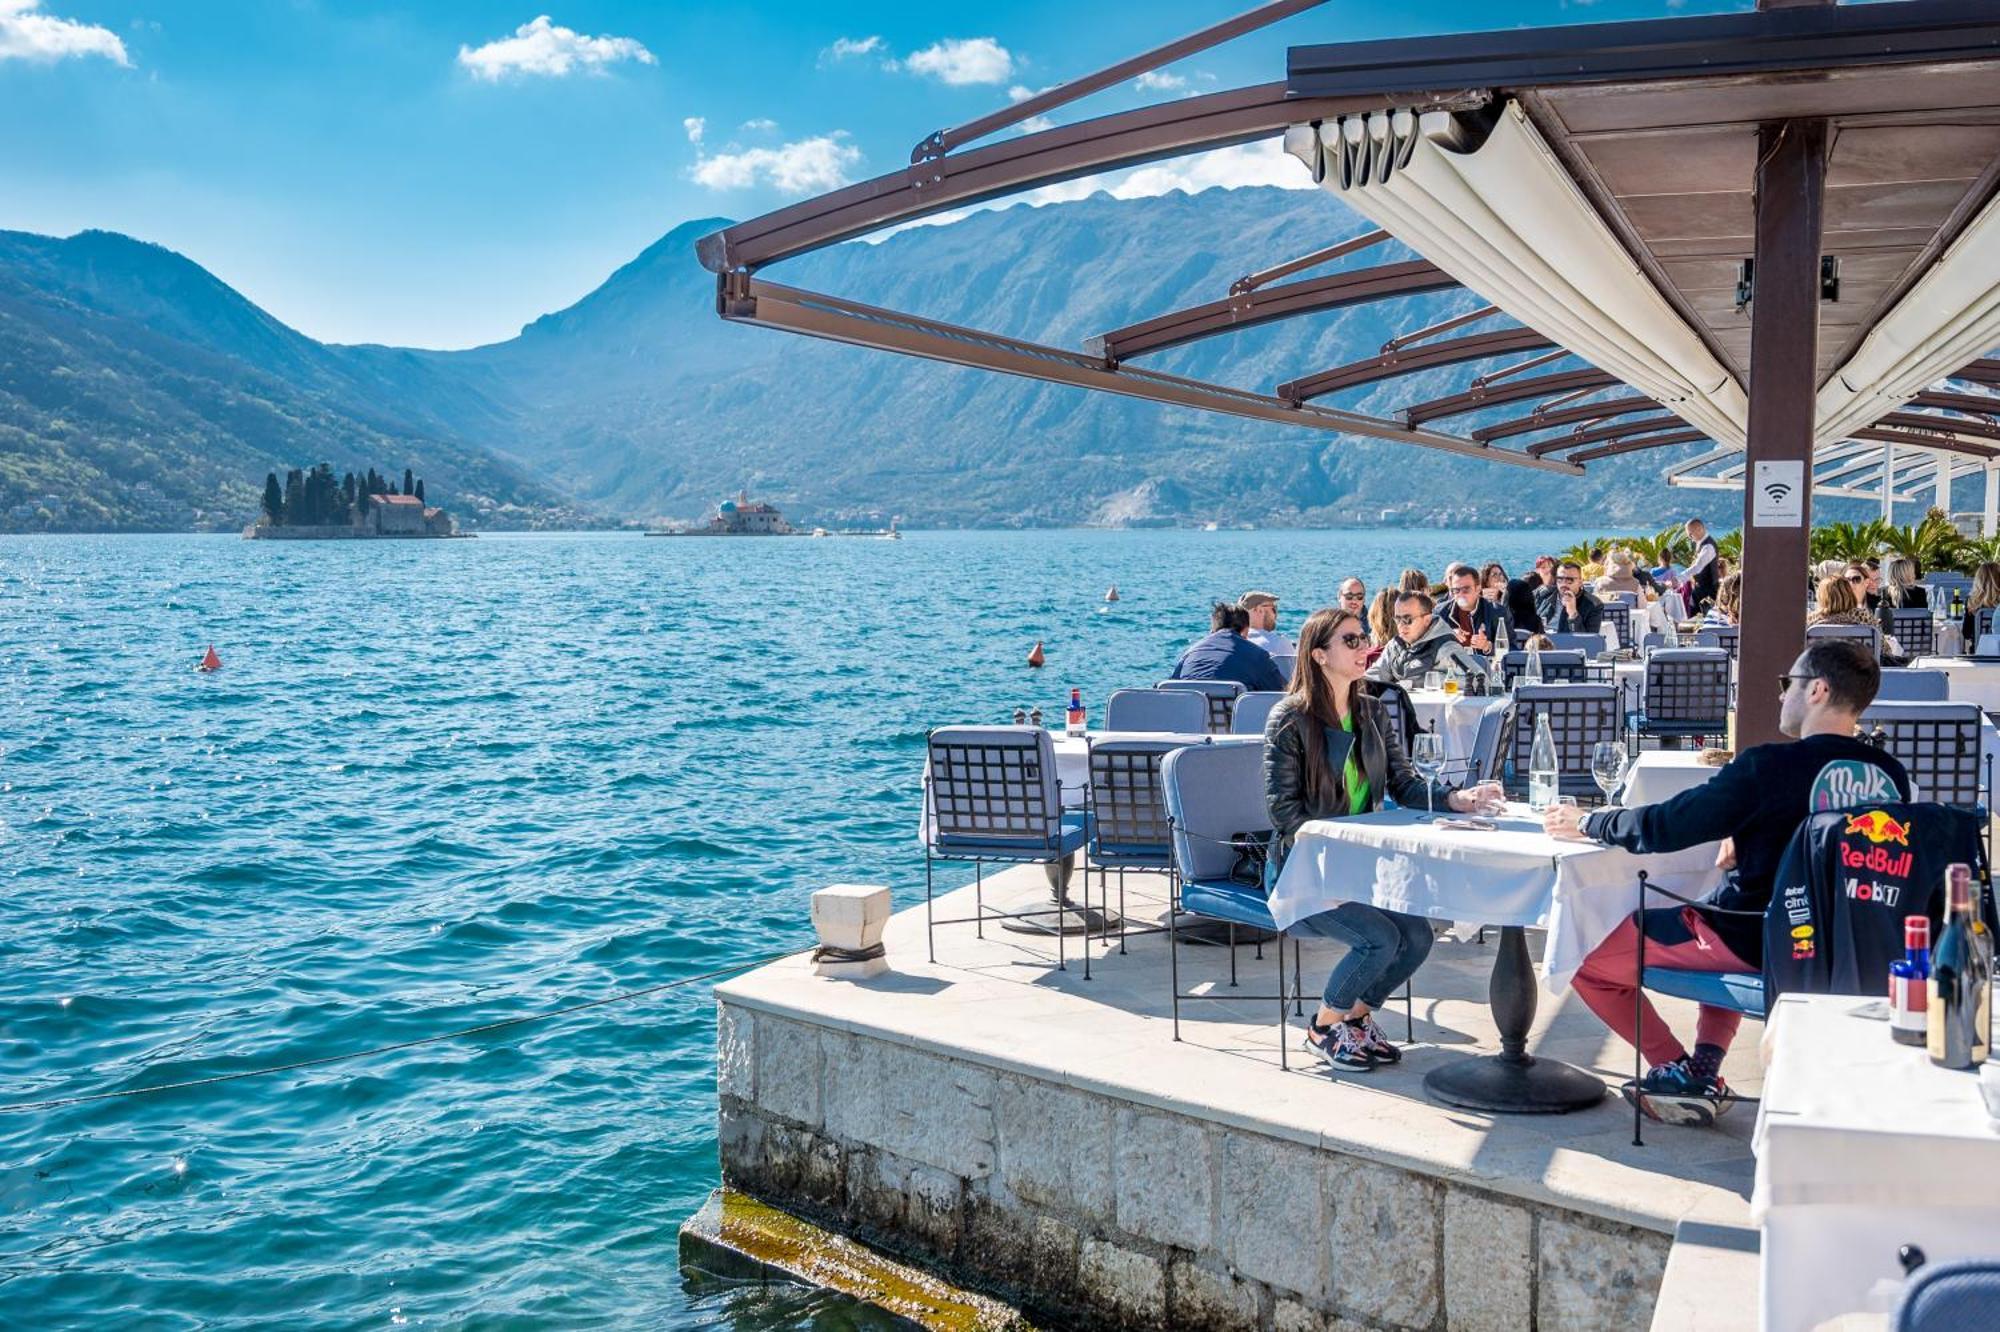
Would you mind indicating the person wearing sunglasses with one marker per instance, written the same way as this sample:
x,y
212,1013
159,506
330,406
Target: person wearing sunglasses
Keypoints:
x,y
1424,642
1752,806
1330,752
1566,608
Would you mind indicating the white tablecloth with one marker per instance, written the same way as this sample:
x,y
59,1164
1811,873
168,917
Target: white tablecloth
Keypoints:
x,y
1456,718
1517,875
1966,681
1661,774
1862,1145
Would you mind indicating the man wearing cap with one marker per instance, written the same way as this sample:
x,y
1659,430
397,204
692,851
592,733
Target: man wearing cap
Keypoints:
x,y
1263,611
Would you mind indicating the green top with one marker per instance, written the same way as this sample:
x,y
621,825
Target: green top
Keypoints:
x,y
1357,785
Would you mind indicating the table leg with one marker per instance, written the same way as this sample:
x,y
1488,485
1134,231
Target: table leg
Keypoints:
x,y
1078,919
1513,1081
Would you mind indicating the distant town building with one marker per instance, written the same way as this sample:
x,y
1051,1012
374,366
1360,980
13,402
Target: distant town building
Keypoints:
x,y
404,515
742,517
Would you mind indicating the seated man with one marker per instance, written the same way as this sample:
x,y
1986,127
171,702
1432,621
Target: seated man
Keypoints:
x,y
1423,643
1475,622
1225,654
1753,806
1262,608
1566,608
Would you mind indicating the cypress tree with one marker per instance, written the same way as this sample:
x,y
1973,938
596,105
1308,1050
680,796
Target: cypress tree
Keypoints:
x,y
420,490
274,500
409,482
295,497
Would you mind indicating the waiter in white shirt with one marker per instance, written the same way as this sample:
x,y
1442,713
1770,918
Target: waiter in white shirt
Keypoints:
x,y
1263,611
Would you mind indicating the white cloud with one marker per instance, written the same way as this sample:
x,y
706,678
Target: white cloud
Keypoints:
x,y
962,60
761,125
696,126
543,48
845,48
26,35
806,167
1157,80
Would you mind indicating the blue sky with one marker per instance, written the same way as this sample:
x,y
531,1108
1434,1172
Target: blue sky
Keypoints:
x,y
439,174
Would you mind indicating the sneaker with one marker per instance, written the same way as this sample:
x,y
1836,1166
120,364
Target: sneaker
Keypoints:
x,y
1672,1094
1342,1045
1378,1044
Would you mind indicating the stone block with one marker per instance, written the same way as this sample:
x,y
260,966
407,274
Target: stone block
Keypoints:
x,y
1488,1264
915,1206
788,1067
1598,1279
1164,1179
1055,1146
735,1052
1292,1316
802,1169
850,917
1386,1231
740,1134
1127,1288
1272,1228
916,1105
1210,1300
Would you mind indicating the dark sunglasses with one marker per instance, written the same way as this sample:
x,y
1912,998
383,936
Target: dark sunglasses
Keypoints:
x,y
1408,619
1353,596
1785,682
1351,641
1857,578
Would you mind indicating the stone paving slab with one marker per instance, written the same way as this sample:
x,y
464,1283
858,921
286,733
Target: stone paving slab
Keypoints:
x,y
999,1003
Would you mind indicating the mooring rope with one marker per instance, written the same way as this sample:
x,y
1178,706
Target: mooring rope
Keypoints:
x,y
321,1061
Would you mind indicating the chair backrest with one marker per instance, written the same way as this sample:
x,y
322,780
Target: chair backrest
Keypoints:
x,y
1860,631
1401,715
1982,622
1128,807
1939,587
1557,668
1618,598
1937,743
1913,629
1688,685
1590,645
1252,711
1213,793
1180,711
1950,1296
1728,637
1579,716
1221,695
993,785
1483,764
1618,616
1901,685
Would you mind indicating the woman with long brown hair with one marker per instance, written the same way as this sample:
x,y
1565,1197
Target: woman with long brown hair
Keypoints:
x,y
1329,752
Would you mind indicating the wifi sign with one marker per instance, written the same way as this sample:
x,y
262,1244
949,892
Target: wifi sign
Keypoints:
x,y
1779,494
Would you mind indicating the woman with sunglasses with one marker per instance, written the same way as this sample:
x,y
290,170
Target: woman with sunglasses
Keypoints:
x,y
1330,752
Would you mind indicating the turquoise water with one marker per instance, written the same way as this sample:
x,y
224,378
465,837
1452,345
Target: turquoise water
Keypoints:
x,y
443,783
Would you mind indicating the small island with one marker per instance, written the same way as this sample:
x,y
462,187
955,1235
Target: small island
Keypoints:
x,y
313,506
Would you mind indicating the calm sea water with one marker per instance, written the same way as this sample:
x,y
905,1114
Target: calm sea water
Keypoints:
x,y
444,783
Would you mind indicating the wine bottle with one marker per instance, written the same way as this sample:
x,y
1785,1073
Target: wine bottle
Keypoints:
x,y
1909,976
1959,1016
1073,721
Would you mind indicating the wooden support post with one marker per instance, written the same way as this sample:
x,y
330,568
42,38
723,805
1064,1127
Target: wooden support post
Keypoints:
x,y
1784,348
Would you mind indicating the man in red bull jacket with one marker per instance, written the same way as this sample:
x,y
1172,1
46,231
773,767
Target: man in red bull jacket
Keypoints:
x,y
1753,805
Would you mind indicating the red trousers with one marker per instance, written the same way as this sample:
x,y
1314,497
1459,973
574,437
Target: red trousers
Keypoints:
x,y
1609,976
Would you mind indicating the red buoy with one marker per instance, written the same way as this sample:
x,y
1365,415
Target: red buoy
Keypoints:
x,y
210,661
1035,658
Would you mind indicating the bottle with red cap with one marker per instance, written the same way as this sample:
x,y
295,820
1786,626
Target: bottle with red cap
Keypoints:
x,y
1073,722
1909,975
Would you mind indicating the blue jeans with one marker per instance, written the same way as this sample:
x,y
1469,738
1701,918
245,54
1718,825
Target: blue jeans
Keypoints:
x,y
1384,949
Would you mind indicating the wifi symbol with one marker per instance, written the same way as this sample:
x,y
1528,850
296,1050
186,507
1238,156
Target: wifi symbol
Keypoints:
x,y
1776,491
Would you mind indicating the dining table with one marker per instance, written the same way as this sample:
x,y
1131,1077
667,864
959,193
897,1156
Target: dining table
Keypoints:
x,y
1502,871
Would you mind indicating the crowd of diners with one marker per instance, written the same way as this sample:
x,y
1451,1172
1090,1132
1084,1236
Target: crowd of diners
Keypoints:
x,y
1330,752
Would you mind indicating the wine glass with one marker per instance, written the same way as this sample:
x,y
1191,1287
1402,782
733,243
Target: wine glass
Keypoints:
x,y
1607,766
1427,757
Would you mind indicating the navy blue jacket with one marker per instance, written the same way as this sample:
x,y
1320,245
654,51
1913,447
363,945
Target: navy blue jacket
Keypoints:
x,y
1224,655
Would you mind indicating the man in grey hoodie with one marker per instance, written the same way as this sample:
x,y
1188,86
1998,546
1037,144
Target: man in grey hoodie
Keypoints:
x,y
1423,643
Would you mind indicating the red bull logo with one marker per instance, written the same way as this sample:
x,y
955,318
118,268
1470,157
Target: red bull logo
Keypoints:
x,y
1878,827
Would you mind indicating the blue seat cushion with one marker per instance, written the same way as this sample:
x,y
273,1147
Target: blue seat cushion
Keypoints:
x,y
1030,850
1225,899
1741,992
1134,855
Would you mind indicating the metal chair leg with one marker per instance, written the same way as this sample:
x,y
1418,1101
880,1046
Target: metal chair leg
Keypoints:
x,y
1639,1015
1409,1015
930,916
1121,910
1174,954
1298,970
1284,1030
979,899
1232,954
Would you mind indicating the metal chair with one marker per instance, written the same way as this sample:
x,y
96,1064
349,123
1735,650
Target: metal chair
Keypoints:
x,y
991,796
1902,685
1483,764
1949,1297
1982,625
1686,693
1215,807
1252,711
1913,628
1620,598
1938,744
1128,815
1618,616
1590,645
1728,637
1580,715
1557,668
1868,632
1174,711
1221,695
1396,703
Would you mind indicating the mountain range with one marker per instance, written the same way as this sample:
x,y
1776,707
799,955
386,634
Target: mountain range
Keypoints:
x,y
139,392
